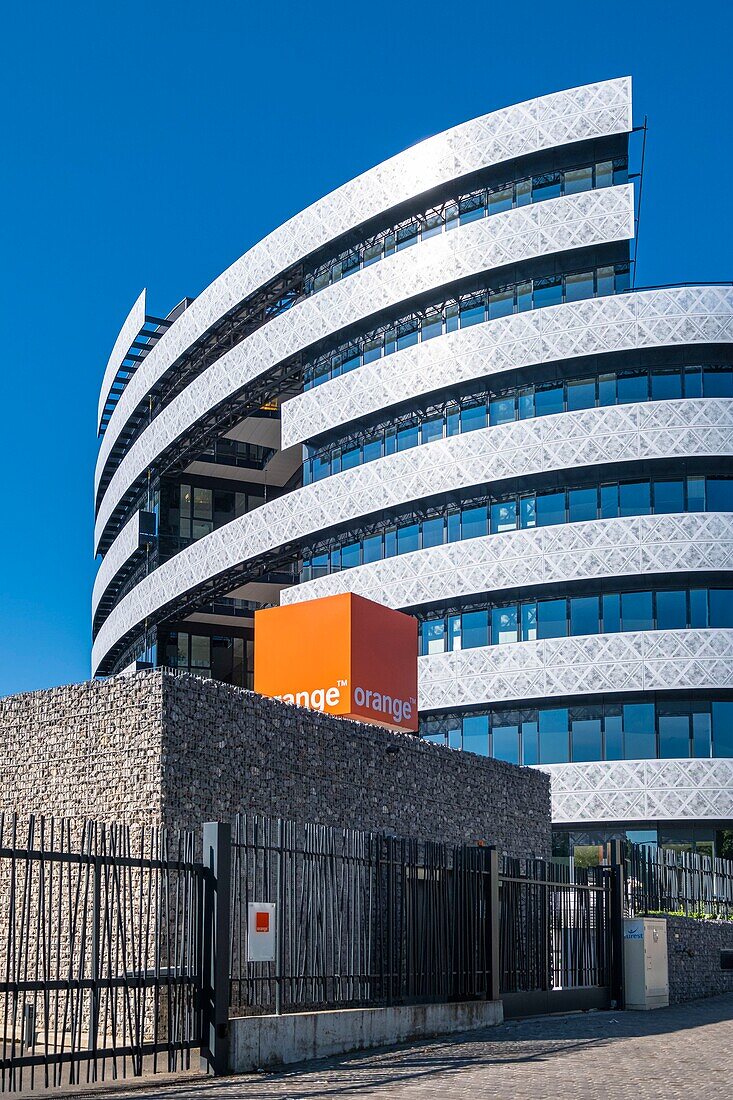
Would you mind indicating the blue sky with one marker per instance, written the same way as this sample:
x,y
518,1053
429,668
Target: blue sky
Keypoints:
x,y
150,144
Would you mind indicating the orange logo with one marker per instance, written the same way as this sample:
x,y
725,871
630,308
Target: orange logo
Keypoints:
x,y
262,921
340,655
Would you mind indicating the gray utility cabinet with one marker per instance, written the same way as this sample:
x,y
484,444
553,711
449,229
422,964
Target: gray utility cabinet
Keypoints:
x,y
646,970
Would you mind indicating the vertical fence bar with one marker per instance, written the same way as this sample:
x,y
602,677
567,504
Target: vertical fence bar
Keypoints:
x,y
217,921
494,927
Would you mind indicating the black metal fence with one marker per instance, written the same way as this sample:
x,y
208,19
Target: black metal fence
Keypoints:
x,y
560,937
661,880
362,918
101,929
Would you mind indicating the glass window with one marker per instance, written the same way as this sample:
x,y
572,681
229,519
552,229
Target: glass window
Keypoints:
x,y
476,734
335,559
451,317
182,650
585,733
632,387
454,632
584,616
640,742
526,403
351,458
609,501
502,410
671,610
505,737
500,200
548,292
474,629
524,296
351,555
407,235
407,335
578,179
454,527
503,516
472,313
719,497
698,608
408,539
693,381
674,730
407,438
605,281
582,504
200,652
581,394
501,303
553,729
718,383
613,737
372,253
320,566
474,522
433,531
722,729
529,622
503,625
372,548
530,746
432,226
549,399
721,607
452,420
552,619
528,512
636,611
373,450
611,608
547,186
431,326
433,636
550,509
696,494
702,739
352,360
604,174
666,385
432,429
579,286
471,208
473,417
634,498
523,192
372,350
607,389
669,496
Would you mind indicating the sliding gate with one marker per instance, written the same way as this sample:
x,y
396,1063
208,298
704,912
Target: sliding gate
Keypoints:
x,y
560,937
102,931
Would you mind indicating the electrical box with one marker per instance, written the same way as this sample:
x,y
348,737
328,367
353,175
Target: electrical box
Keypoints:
x,y
646,968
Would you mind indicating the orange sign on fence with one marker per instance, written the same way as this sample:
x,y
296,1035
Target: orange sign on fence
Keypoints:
x,y
341,655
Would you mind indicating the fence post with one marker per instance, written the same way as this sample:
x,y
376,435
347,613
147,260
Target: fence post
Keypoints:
x,y
494,926
617,907
216,915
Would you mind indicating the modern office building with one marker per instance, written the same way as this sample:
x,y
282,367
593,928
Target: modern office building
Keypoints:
x,y
441,387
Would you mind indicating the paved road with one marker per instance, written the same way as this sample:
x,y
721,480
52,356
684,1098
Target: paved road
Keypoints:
x,y
684,1051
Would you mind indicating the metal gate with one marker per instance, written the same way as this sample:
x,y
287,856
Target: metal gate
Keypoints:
x,y
560,937
102,930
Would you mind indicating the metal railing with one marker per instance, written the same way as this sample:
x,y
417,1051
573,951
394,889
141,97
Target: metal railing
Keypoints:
x,y
661,880
101,928
363,918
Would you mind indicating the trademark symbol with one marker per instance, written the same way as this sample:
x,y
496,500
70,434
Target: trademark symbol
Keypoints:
x,y
342,683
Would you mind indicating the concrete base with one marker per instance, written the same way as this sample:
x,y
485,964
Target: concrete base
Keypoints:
x,y
265,1042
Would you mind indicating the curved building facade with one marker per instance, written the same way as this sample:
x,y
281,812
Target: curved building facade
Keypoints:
x,y
437,387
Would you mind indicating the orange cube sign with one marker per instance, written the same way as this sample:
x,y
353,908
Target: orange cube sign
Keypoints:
x,y
340,655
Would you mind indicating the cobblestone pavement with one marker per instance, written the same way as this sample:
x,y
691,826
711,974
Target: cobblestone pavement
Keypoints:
x,y
684,1051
